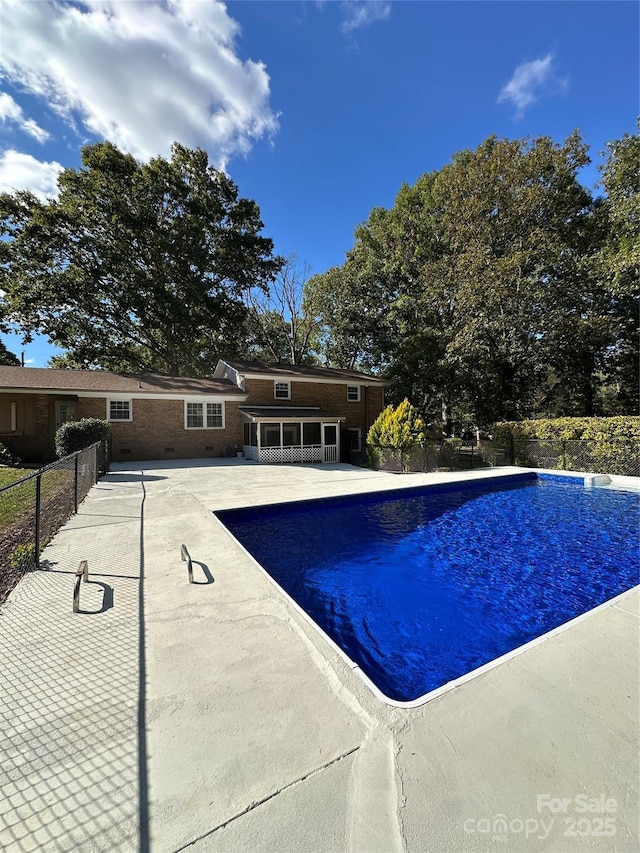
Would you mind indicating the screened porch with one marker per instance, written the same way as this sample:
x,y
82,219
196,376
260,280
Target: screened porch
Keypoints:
x,y
277,435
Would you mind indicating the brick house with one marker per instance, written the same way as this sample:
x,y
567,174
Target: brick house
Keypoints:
x,y
268,412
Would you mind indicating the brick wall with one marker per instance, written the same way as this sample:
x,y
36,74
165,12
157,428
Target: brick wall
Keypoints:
x,y
33,439
157,431
331,397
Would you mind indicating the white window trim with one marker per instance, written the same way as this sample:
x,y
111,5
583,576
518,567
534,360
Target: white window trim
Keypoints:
x,y
350,399
282,382
358,431
203,402
111,400
14,417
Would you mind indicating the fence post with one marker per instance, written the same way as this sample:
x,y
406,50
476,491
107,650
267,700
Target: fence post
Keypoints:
x,y
37,542
75,483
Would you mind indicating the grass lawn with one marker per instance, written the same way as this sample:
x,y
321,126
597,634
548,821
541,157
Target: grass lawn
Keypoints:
x,y
10,475
21,499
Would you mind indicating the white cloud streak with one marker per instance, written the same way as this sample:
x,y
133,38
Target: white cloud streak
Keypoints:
x,y
361,13
23,172
141,74
530,81
11,112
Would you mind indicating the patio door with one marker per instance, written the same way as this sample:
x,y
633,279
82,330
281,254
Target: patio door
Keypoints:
x,y
330,436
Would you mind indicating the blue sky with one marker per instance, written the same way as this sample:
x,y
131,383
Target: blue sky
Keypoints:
x,y
318,110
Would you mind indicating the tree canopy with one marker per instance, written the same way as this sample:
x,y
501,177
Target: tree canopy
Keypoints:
x,y
497,287
135,266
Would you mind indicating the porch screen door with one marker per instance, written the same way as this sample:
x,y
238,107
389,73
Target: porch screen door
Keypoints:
x,y
330,443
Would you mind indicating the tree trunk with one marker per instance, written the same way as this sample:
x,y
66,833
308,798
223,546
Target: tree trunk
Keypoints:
x,y
446,419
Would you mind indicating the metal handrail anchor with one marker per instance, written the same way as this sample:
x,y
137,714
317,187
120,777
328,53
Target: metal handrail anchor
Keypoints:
x,y
82,574
184,555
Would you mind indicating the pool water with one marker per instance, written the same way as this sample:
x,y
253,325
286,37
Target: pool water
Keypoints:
x,y
421,586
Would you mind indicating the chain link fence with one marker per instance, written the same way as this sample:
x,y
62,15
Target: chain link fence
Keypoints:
x,y
428,456
613,456
34,507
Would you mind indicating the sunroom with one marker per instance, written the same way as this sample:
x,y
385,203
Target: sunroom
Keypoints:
x,y
286,434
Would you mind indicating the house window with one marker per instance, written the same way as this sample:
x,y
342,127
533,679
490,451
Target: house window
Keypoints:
x,y
353,393
200,415
281,390
119,410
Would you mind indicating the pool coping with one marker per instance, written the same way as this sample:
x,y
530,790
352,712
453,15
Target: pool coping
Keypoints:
x,y
589,480
201,717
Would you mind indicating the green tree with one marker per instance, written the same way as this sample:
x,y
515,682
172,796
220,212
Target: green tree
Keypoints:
x,y
617,264
400,427
7,357
477,293
351,303
512,219
621,181
135,266
397,429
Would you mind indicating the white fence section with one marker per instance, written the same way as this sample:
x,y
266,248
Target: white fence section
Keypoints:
x,y
291,454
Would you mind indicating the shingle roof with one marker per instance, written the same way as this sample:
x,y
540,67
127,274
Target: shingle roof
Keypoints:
x,y
284,413
275,369
48,379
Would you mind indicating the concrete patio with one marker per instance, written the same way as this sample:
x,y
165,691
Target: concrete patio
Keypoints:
x,y
212,717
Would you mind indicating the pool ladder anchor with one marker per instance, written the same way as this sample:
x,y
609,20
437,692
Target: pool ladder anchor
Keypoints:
x,y
82,574
185,557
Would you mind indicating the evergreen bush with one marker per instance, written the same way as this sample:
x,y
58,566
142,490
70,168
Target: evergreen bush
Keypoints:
x,y
401,429
76,435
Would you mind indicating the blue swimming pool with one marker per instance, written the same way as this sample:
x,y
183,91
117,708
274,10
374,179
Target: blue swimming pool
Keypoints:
x,y
421,586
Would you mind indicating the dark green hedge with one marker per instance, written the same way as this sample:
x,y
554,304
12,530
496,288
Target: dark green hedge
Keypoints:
x,y
622,427
76,435
605,445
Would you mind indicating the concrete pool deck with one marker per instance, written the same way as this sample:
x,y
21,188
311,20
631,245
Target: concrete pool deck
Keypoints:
x,y
212,717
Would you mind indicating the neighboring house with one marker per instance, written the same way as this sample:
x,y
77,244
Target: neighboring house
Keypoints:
x,y
272,413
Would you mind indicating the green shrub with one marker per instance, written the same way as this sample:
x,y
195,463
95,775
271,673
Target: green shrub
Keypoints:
x,y
6,457
622,427
612,442
76,435
401,428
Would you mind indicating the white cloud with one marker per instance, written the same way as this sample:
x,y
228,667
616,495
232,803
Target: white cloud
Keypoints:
x,y
141,74
10,111
529,82
361,13
23,172
33,129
